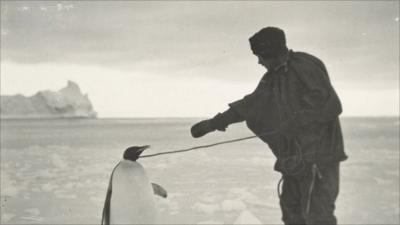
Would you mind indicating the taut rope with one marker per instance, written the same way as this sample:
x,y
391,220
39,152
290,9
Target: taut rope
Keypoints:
x,y
207,146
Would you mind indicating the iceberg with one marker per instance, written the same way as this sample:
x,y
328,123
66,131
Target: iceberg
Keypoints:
x,y
69,102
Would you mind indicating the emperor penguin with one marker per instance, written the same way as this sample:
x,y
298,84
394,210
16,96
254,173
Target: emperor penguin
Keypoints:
x,y
130,195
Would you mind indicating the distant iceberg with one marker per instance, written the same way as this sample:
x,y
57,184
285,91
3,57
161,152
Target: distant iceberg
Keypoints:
x,y
69,102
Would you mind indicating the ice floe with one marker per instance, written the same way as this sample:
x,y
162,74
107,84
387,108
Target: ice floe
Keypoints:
x,y
49,187
8,186
207,208
58,162
246,217
233,205
6,217
211,222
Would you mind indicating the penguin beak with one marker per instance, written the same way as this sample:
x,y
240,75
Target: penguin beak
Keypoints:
x,y
142,148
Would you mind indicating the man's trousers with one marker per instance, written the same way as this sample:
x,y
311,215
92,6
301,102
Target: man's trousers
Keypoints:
x,y
310,198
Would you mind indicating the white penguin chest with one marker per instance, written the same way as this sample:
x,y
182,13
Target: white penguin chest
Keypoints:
x,y
132,200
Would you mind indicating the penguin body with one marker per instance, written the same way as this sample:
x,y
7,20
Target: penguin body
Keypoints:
x,y
132,198
130,195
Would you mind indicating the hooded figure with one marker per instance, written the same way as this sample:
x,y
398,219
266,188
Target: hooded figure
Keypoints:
x,y
296,102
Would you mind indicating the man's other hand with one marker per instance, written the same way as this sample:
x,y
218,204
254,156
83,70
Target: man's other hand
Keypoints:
x,y
202,128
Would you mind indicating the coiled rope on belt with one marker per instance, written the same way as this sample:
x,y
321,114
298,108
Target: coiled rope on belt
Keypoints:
x,y
208,145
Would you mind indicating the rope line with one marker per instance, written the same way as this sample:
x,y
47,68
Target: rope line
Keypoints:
x,y
207,146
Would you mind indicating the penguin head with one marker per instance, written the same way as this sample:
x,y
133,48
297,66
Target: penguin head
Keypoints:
x,y
133,153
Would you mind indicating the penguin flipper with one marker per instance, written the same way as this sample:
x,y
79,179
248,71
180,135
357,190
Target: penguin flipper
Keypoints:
x,y
105,220
158,190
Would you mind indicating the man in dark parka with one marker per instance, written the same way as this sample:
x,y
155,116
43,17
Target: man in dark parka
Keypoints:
x,y
295,110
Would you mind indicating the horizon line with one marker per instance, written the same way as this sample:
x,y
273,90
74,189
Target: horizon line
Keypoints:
x,y
196,117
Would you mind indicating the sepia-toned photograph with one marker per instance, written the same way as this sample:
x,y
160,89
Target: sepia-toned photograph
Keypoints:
x,y
199,112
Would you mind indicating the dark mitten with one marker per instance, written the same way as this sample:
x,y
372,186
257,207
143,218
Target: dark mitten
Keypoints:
x,y
202,128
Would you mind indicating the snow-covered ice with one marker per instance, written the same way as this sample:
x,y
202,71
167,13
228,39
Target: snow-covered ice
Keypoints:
x,y
58,172
207,208
233,205
246,217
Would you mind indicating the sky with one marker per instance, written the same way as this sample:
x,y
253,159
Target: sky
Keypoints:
x,y
190,59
